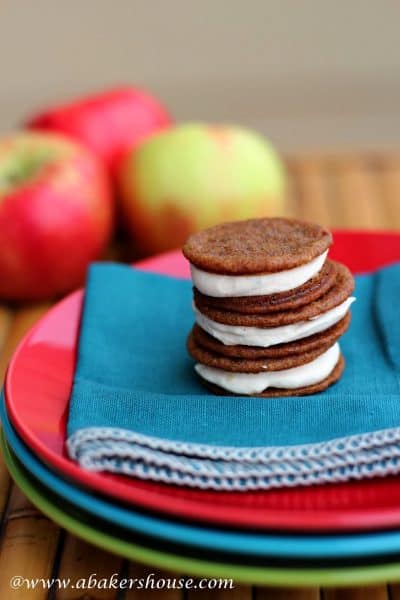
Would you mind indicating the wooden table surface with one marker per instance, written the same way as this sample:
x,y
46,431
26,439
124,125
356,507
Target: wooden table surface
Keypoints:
x,y
342,191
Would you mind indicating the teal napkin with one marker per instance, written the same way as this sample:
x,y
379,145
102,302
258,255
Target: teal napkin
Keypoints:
x,y
138,408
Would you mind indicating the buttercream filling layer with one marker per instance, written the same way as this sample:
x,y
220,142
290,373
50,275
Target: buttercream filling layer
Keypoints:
x,y
232,335
255,383
262,284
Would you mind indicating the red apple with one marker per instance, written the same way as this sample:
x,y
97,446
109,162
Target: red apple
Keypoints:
x,y
109,123
55,214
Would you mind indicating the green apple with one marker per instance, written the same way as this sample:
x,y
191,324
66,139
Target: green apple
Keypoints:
x,y
193,176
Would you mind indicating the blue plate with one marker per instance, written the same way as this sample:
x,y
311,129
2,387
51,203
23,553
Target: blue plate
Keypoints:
x,y
212,539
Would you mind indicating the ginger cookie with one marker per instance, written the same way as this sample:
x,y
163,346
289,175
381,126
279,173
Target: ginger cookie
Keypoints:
x,y
248,365
257,246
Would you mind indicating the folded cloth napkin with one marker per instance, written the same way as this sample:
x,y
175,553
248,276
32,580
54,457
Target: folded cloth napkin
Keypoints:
x,y
137,407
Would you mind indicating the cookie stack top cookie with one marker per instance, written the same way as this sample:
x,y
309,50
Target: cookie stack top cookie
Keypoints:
x,y
269,306
257,246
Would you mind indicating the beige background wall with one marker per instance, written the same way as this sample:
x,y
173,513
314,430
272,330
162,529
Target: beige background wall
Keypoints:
x,y
308,73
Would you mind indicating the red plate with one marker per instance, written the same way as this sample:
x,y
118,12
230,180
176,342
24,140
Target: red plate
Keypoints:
x,y
38,386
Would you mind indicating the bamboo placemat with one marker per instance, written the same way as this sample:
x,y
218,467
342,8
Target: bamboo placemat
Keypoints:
x,y
341,191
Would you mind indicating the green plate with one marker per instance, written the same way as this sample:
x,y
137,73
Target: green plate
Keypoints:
x,y
345,576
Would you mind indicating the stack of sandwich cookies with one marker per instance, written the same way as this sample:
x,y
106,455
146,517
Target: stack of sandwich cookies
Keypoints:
x,y
270,307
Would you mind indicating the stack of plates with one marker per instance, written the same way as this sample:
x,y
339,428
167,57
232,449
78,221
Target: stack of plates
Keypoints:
x,y
338,534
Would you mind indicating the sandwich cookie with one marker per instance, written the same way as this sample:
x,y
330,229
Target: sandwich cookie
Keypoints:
x,y
257,257
324,339
225,384
269,307
313,289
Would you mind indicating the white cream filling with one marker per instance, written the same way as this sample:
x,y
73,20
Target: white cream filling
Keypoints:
x,y
233,286
255,383
231,335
